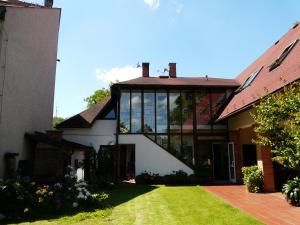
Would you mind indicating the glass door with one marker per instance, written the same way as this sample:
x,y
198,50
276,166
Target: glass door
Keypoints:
x,y
231,162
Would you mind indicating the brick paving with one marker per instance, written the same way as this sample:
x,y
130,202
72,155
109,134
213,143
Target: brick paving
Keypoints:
x,y
270,208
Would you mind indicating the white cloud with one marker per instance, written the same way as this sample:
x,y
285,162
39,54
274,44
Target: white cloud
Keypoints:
x,y
178,6
153,4
118,73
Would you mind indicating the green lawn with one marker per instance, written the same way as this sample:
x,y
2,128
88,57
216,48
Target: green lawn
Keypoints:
x,y
155,205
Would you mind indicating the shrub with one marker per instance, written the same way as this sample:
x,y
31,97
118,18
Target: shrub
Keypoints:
x,y
148,178
175,178
291,191
253,179
23,198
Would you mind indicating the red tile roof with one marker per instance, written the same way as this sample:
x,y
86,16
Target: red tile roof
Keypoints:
x,y
267,81
180,81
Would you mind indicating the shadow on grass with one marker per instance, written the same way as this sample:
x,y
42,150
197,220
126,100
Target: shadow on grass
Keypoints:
x,y
117,195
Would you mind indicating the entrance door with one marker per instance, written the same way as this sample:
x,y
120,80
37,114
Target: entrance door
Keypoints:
x,y
223,160
231,159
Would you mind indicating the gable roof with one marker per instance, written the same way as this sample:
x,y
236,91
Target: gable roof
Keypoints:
x,y
86,118
267,80
179,81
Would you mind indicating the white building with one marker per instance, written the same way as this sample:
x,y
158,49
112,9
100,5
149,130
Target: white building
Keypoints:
x,y
28,47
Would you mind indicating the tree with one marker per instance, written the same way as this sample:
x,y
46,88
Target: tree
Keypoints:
x,y
99,95
278,125
56,120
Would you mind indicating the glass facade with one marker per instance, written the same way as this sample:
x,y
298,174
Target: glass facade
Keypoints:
x,y
181,121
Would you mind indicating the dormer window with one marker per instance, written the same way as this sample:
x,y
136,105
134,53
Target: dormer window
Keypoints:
x,y
283,55
249,80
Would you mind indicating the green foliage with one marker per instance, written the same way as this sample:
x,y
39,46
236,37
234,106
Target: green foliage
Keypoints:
x,y
278,120
291,191
175,178
56,120
23,198
253,179
99,95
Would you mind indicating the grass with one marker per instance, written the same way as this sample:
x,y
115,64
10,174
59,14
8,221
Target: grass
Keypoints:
x,y
152,205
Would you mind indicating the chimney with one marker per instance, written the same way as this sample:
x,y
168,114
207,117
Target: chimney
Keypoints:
x,y
145,67
172,70
48,3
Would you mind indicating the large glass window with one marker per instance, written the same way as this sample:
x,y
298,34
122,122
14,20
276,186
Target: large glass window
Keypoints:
x,y
175,112
162,140
187,112
175,145
218,98
161,112
187,148
149,112
203,116
136,112
125,112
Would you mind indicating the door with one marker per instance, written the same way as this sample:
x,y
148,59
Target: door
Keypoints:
x,y
231,162
224,162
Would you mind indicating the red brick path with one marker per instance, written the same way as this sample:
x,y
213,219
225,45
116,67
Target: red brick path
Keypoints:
x,y
270,208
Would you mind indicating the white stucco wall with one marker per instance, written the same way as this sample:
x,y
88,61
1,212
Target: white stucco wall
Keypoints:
x,y
151,157
101,133
28,56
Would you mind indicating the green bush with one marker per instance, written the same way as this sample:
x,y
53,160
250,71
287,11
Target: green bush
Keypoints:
x,y
291,191
175,178
21,198
253,179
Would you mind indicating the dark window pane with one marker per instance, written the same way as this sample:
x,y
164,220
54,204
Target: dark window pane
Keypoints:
x,y
203,111
175,112
203,158
125,112
217,101
162,140
175,145
110,115
149,112
161,112
187,112
136,112
187,148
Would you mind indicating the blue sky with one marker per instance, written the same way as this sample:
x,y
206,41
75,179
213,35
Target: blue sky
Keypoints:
x,y
102,40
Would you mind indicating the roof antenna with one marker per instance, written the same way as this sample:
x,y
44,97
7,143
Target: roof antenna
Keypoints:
x,y
138,65
206,76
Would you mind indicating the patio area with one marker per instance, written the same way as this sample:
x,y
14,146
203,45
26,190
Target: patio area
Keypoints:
x,y
270,208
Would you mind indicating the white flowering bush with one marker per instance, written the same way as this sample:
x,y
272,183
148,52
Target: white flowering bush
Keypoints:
x,y
22,198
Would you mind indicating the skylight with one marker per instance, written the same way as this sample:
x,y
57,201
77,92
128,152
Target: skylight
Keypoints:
x,y
249,80
283,55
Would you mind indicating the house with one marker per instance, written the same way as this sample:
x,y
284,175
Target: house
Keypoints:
x,y
170,123
28,55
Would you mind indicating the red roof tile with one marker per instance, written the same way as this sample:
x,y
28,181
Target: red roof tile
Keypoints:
x,y
267,81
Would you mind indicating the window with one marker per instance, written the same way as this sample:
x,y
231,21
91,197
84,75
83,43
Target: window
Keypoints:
x,y
136,112
175,145
187,112
149,112
283,55
187,148
161,112
175,112
125,112
203,116
249,80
